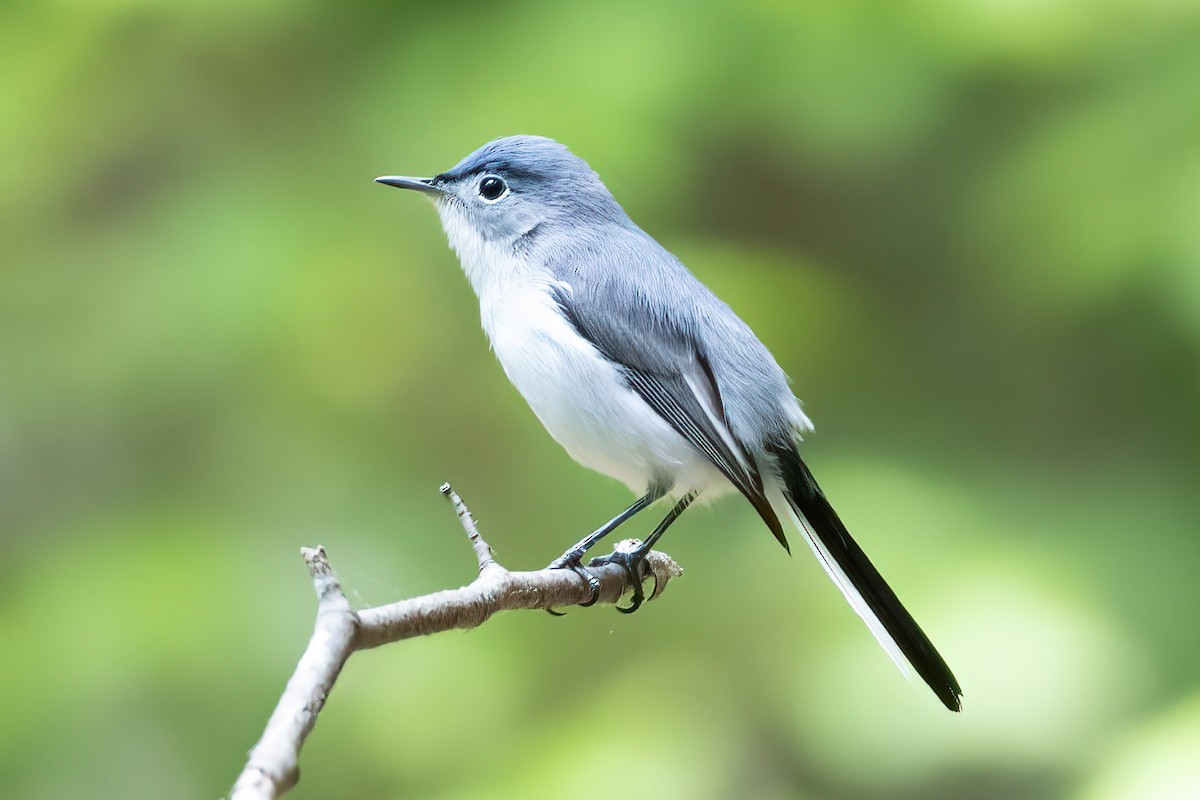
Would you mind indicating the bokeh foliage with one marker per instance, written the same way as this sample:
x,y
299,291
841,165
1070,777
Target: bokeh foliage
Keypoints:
x,y
967,229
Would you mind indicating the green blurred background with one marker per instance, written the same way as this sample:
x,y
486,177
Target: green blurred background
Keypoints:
x,y
968,230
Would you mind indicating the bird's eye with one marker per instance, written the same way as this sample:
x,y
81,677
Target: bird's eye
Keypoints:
x,y
492,188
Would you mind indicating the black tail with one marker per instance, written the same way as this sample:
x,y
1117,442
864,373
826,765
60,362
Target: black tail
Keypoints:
x,y
809,503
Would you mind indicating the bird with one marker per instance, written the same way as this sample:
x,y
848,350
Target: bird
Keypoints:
x,y
641,373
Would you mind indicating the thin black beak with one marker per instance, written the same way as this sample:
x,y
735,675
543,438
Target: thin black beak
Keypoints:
x,y
401,182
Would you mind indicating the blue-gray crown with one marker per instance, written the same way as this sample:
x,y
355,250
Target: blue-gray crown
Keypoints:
x,y
531,157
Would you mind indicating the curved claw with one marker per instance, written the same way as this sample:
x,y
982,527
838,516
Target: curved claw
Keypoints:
x,y
629,609
570,560
593,584
635,602
631,562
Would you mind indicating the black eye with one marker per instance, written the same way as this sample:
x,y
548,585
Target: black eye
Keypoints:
x,y
492,188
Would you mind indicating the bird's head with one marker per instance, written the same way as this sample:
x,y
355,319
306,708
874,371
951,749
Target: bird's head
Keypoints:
x,y
513,186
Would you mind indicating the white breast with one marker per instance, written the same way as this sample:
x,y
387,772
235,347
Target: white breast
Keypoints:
x,y
579,396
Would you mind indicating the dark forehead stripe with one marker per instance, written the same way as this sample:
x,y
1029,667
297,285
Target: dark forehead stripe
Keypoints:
x,y
499,166
520,158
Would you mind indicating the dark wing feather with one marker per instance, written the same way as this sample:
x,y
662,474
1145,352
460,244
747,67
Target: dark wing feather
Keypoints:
x,y
655,370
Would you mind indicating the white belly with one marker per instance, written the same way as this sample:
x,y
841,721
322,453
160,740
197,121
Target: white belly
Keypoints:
x,y
579,396
583,400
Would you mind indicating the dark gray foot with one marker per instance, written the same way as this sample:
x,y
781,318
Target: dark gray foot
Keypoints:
x,y
571,560
631,562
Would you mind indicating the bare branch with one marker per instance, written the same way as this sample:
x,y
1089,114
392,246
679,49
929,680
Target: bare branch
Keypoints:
x,y
483,550
272,767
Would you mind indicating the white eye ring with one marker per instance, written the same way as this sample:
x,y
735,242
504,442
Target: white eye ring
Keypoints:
x,y
492,189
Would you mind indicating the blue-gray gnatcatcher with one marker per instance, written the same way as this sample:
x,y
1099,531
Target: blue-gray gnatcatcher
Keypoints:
x,y
639,371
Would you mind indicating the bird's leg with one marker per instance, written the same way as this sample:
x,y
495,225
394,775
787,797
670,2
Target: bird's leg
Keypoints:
x,y
632,560
572,558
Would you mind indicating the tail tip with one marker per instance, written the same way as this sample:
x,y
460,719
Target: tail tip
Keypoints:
x,y
951,698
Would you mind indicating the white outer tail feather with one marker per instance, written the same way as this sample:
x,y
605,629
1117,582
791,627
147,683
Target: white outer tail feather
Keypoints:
x,y
784,509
